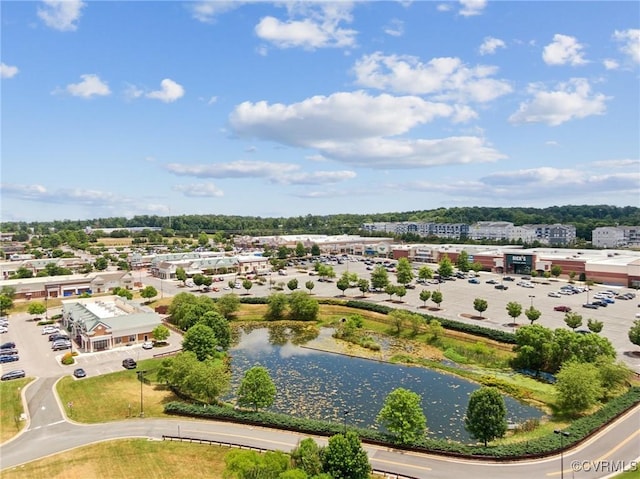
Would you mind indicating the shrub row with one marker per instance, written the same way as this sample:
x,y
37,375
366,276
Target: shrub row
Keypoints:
x,y
489,333
579,430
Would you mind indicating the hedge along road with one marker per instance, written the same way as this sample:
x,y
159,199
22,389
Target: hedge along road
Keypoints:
x,y
49,432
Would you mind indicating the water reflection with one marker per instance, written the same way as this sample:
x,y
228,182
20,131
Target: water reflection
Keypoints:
x,y
319,385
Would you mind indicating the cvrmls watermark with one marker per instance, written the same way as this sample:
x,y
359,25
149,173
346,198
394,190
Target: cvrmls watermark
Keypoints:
x,y
604,466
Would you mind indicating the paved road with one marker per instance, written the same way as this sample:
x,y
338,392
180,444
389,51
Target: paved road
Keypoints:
x,y
49,432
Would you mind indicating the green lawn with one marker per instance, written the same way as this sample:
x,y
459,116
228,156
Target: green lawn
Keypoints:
x,y
114,396
11,408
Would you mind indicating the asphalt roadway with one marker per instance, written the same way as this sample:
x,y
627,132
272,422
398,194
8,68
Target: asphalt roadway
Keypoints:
x,y
49,431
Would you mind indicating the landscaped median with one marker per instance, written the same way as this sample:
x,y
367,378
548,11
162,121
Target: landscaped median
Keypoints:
x,y
11,410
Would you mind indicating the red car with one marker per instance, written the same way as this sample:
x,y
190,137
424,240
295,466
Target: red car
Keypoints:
x,y
564,309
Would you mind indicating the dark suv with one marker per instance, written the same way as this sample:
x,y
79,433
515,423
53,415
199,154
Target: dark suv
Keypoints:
x,y
129,363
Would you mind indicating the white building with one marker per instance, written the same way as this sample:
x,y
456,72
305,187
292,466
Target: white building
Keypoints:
x,y
615,236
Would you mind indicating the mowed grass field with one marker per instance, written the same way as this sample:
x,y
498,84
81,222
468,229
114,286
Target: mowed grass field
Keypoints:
x,y
11,408
128,458
114,396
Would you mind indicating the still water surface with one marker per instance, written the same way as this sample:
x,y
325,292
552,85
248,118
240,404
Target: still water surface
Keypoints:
x,y
320,385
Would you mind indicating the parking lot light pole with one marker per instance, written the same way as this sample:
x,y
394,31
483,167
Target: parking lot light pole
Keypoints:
x,y
141,379
562,434
531,296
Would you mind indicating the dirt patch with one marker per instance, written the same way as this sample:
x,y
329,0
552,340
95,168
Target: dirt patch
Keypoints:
x,y
472,316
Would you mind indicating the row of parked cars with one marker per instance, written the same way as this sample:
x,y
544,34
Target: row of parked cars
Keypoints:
x,y
8,351
59,341
9,354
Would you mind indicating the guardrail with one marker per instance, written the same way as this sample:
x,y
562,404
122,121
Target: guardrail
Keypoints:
x,y
167,353
212,442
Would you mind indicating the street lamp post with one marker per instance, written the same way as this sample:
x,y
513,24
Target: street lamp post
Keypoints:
x,y
562,434
531,296
141,379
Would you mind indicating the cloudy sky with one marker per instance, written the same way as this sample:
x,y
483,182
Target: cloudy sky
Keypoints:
x,y
294,108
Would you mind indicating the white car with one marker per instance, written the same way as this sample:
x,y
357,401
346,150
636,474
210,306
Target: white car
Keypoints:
x,y
147,345
553,294
4,329
50,330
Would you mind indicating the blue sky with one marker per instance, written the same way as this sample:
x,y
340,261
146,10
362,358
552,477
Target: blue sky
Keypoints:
x,y
293,108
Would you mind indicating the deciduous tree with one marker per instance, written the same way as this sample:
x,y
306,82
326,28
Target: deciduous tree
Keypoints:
x,y
404,273
257,389
160,333
402,416
578,387
486,417
201,340
344,457
573,320
480,305
532,314
514,310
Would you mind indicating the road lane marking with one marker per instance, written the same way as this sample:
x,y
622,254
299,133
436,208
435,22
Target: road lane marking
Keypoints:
x,y
601,458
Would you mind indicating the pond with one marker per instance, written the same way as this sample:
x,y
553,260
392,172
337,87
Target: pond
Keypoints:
x,y
320,385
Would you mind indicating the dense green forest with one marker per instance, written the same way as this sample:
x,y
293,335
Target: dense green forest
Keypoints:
x,y
584,217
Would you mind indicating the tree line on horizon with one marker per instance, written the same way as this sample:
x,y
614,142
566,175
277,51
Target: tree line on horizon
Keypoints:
x,y
584,217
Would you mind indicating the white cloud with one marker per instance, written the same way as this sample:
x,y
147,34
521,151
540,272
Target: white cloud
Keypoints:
x,y
623,163
236,169
90,86
531,184
278,173
342,116
446,76
563,50
359,129
61,14
443,7
212,100
169,91
131,92
8,71
569,101
199,190
472,7
207,11
395,28
314,178
319,27
630,43
610,64
490,45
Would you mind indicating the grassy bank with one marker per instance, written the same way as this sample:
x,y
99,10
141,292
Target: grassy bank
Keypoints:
x,y
11,408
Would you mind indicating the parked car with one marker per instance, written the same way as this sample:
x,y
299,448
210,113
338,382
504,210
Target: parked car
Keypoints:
x,y
147,345
4,322
8,351
590,306
564,309
9,358
50,330
508,278
474,281
492,281
79,373
553,294
501,286
129,363
58,336
61,345
4,329
8,345
15,374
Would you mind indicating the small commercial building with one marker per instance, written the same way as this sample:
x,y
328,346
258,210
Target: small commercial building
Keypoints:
x,y
99,324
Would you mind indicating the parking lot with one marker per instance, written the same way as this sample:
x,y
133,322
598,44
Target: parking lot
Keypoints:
x,y
458,297
38,359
